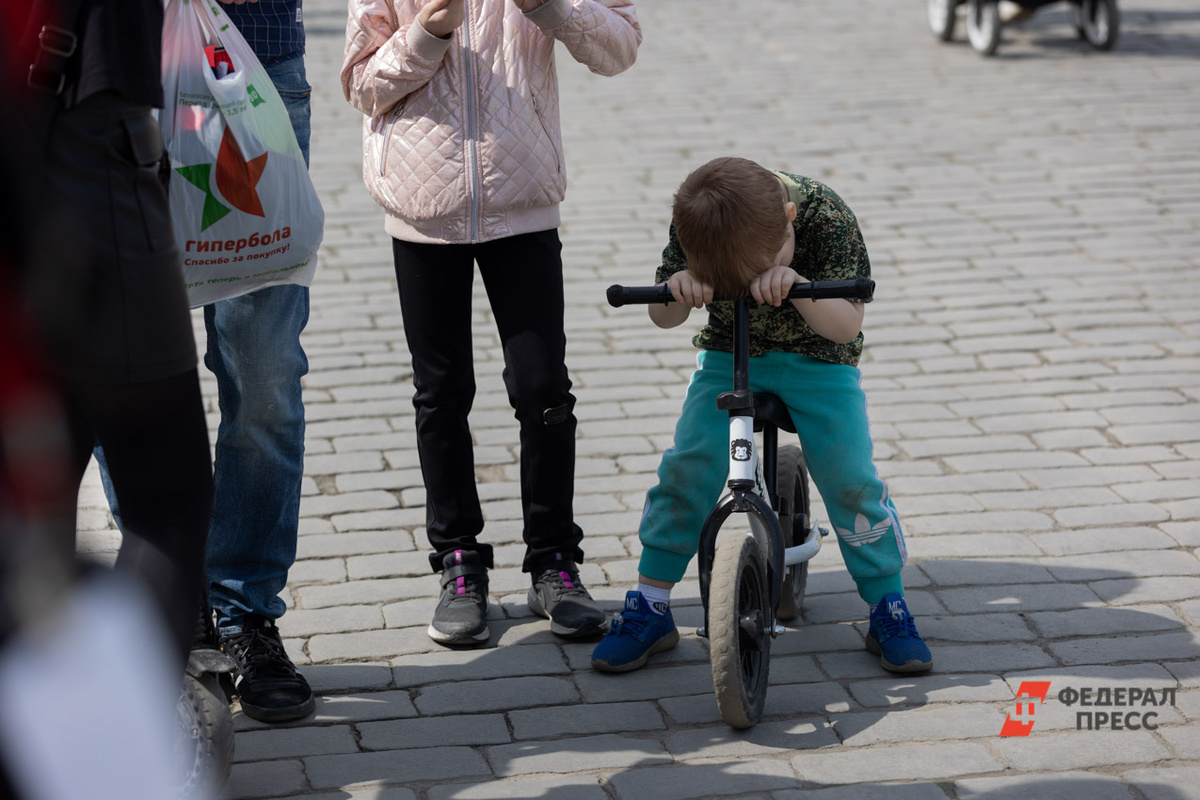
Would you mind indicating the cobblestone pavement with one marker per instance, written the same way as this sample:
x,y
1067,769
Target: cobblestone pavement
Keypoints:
x,y
1033,369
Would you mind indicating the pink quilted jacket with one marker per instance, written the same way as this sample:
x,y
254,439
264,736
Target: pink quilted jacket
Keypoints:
x,y
461,141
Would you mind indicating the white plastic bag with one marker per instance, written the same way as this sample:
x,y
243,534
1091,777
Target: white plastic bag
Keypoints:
x,y
245,212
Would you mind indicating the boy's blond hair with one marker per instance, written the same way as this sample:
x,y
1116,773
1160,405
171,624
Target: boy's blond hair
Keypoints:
x,y
729,215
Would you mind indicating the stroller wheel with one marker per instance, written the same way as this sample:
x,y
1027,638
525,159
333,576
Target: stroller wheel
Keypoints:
x,y
942,16
1098,23
983,25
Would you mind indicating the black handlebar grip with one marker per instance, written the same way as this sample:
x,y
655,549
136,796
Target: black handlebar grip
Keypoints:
x,y
857,289
622,295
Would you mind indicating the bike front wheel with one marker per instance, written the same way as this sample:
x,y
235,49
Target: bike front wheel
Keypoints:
x,y
739,633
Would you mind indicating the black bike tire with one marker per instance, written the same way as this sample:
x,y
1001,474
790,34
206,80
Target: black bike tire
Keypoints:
x,y
1088,9
204,738
740,671
791,480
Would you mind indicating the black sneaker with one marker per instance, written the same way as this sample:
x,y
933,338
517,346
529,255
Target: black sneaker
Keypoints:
x,y
461,613
558,594
270,688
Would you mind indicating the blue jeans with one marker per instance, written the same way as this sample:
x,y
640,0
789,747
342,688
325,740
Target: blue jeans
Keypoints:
x,y
255,353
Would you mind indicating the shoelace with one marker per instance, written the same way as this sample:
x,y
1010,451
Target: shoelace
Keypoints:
x,y
471,588
901,625
262,655
637,624
562,582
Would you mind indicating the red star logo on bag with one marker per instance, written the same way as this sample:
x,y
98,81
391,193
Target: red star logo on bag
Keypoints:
x,y
236,179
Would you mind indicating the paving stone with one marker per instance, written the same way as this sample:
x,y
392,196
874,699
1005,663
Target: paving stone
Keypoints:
x,y
1065,785
765,738
701,780
567,787
881,791
930,761
914,725
1166,783
583,754
444,666
500,694
402,734
578,720
293,742
266,779
1105,621
1080,749
369,644
395,766
1162,646
1019,598
930,688
362,675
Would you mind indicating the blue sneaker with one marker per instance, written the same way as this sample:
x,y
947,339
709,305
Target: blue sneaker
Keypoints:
x,y
635,635
893,637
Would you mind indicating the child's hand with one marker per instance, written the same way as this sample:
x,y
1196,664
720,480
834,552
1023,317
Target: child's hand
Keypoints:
x,y
441,17
772,286
688,290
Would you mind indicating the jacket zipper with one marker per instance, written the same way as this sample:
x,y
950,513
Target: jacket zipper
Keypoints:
x,y
472,154
537,110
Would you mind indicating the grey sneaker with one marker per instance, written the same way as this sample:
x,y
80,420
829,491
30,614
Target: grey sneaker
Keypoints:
x,y
558,594
461,613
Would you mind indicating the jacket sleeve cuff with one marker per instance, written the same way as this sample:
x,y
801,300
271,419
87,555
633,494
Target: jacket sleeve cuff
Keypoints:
x,y
425,44
551,14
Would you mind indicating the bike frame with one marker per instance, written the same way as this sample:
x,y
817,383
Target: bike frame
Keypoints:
x,y
751,481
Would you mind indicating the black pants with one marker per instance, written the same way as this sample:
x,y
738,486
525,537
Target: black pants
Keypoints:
x,y
155,440
524,282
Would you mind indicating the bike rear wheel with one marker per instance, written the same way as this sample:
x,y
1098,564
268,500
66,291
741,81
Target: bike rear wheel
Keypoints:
x,y
792,482
738,630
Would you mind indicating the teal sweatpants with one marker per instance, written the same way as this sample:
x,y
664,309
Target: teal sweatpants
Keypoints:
x,y
829,409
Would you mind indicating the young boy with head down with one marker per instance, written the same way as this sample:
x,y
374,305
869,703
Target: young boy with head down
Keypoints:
x,y
739,228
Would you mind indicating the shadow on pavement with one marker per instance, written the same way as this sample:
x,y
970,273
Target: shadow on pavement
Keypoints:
x,y
447,724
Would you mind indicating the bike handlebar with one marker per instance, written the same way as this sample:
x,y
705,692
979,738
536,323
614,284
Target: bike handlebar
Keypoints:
x,y
862,289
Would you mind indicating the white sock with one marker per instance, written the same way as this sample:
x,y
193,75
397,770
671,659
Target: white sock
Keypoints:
x,y
658,599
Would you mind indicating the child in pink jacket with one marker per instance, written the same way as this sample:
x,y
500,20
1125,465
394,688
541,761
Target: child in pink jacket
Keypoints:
x,y
462,149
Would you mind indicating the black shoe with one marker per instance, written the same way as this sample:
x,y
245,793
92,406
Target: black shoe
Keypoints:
x,y
557,593
270,688
461,613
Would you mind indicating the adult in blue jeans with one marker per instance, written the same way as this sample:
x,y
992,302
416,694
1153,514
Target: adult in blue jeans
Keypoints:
x,y
254,350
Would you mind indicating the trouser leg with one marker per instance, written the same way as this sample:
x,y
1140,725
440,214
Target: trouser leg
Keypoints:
x,y
435,300
524,281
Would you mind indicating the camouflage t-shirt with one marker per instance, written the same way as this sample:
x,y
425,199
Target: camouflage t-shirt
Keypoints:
x,y
829,246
